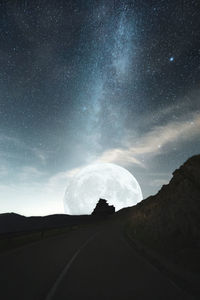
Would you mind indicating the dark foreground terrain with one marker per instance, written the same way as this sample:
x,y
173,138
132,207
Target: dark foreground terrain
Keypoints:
x,y
88,263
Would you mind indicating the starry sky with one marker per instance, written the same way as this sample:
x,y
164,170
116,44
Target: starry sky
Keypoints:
x,y
84,81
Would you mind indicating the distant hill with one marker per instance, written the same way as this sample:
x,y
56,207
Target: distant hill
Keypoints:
x,y
170,221
11,222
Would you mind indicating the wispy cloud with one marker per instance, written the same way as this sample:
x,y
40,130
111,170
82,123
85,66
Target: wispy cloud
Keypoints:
x,y
29,173
20,146
122,156
153,142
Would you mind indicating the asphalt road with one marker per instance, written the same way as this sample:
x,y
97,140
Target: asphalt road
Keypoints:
x,y
89,263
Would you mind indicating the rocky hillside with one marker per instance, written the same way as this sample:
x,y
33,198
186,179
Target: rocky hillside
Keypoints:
x,y
170,221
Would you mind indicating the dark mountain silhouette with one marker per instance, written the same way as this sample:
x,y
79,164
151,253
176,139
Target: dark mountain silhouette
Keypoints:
x,y
170,221
11,222
103,208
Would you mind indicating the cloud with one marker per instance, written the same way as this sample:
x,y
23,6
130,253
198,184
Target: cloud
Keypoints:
x,y
117,155
158,140
28,173
153,142
179,111
20,146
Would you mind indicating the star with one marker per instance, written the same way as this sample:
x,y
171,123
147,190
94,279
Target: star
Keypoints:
x,y
171,58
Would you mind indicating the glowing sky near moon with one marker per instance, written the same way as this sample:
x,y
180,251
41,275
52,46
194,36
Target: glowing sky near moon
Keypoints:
x,y
89,81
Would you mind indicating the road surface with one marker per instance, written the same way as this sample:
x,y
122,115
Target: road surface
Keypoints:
x,y
89,263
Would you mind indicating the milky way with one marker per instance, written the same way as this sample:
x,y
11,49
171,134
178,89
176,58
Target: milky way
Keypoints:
x,y
95,81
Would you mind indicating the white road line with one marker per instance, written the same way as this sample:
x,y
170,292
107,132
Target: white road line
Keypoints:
x,y
53,289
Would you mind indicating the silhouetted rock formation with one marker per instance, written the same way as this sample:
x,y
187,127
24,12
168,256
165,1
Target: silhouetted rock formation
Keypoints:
x,y
170,220
103,208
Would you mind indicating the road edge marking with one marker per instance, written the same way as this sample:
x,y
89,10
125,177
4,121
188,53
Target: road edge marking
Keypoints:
x,y
53,289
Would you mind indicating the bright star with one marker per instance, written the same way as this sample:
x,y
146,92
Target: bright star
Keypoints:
x,y
171,58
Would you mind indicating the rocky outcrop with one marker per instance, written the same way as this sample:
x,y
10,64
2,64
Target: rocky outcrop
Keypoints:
x,y
103,208
170,220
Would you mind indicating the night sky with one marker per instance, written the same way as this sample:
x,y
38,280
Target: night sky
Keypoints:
x,y
95,81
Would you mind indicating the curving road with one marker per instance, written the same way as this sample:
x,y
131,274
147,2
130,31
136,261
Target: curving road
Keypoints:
x,y
89,263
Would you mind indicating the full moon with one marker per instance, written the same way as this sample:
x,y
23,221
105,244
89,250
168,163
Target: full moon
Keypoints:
x,y
108,181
